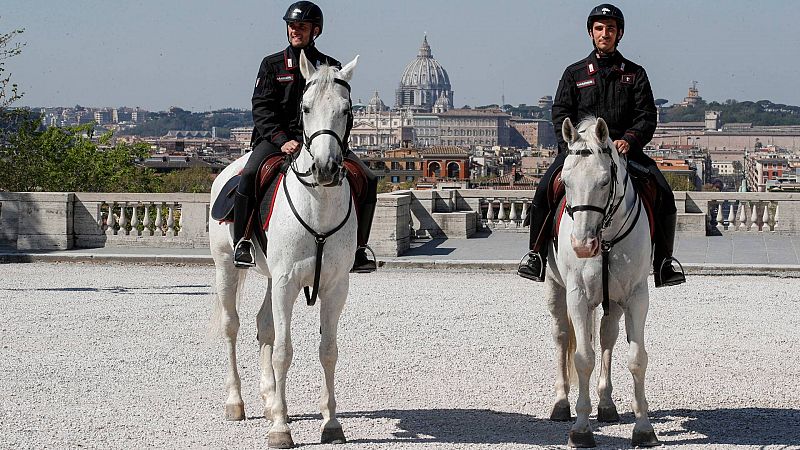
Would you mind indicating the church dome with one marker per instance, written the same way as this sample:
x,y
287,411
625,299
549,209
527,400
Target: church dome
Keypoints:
x,y
425,72
376,104
424,81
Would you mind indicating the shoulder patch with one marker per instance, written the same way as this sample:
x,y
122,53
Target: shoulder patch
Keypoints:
x,y
286,78
585,83
628,78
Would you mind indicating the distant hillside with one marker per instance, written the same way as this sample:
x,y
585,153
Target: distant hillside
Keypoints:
x,y
762,112
160,123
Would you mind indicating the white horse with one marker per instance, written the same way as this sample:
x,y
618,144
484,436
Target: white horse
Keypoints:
x,y
314,189
604,214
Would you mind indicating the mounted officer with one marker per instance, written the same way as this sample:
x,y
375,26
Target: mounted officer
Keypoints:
x,y
278,128
607,85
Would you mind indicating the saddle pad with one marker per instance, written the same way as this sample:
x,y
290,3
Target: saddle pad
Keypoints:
x,y
222,209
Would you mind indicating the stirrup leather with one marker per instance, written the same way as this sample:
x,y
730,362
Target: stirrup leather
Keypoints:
x,y
242,259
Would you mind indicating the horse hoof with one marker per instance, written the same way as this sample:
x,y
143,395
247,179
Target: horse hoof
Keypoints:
x,y
560,413
280,439
644,439
234,411
581,440
333,436
607,414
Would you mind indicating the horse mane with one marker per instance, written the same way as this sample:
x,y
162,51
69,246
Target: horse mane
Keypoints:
x,y
323,80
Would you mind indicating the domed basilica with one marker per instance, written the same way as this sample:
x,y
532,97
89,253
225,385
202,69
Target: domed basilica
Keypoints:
x,y
425,85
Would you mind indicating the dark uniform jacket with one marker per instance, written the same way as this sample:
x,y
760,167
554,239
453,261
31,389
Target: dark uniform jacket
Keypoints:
x,y
278,93
615,89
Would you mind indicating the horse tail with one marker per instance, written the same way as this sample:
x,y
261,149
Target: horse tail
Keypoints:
x,y
227,290
572,372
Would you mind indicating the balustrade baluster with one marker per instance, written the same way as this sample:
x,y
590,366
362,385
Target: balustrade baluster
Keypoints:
x,y
159,220
123,219
111,221
775,217
502,214
514,216
740,218
731,216
719,215
135,221
525,210
490,209
765,219
171,221
753,217
147,223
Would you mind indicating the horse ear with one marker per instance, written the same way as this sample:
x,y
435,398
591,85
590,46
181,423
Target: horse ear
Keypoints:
x,y
306,68
601,130
568,131
347,70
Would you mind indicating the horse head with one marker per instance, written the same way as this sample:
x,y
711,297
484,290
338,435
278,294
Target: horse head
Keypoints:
x,y
590,177
327,118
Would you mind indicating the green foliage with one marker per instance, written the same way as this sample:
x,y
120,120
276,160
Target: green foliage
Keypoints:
x,y
762,112
194,180
384,185
8,48
679,182
159,124
67,160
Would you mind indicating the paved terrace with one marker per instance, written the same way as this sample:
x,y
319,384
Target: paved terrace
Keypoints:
x,y
740,253
120,356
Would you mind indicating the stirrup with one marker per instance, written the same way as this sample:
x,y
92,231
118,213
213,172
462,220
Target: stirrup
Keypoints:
x,y
241,261
659,281
367,267
524,268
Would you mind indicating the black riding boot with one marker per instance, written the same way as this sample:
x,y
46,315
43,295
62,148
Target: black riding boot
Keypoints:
x,y
663,271
243,253
362,263
533,267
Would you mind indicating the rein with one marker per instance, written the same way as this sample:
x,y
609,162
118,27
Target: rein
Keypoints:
x,y
608,211
321,238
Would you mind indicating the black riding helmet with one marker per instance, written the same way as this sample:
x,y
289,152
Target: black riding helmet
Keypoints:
x,y
304,11
607,11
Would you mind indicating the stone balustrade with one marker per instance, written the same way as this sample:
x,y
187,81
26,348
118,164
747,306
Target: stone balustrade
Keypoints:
x,y
58,221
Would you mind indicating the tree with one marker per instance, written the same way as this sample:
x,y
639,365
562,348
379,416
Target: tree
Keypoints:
x,y
678,182
194,180
8,49
661,101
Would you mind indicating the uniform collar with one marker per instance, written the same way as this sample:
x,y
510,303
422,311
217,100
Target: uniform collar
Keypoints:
x,y
291,59
592,65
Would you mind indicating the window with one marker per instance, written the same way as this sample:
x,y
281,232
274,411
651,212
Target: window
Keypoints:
x,y
395,179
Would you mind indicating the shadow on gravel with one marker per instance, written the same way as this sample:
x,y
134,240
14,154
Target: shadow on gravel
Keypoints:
x,y
429,248
740,426
474,426
168,290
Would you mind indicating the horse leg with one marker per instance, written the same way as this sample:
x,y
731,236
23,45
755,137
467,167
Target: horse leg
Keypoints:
x,y
580,435
284,293
562,334
331,306
229,284
609,331
635,316
266,339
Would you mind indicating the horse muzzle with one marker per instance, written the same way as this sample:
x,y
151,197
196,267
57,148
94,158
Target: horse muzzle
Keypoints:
x,y
587,248
330,174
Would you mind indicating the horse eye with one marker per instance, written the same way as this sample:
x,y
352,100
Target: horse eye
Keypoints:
x,y
605,182
306,110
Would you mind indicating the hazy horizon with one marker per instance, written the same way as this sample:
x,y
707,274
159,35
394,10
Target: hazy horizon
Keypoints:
x,y
201,56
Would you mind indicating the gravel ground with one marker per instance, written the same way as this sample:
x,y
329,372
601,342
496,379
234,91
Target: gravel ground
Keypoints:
x,y
121,356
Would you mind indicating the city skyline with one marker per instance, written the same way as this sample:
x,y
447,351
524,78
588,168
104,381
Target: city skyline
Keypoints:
x,y
197,56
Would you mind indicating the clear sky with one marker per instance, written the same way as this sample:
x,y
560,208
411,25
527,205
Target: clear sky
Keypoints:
x,y
204,54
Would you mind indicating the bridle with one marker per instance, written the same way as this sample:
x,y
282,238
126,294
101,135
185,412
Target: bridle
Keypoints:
x,y
342,142
608,212
321,238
